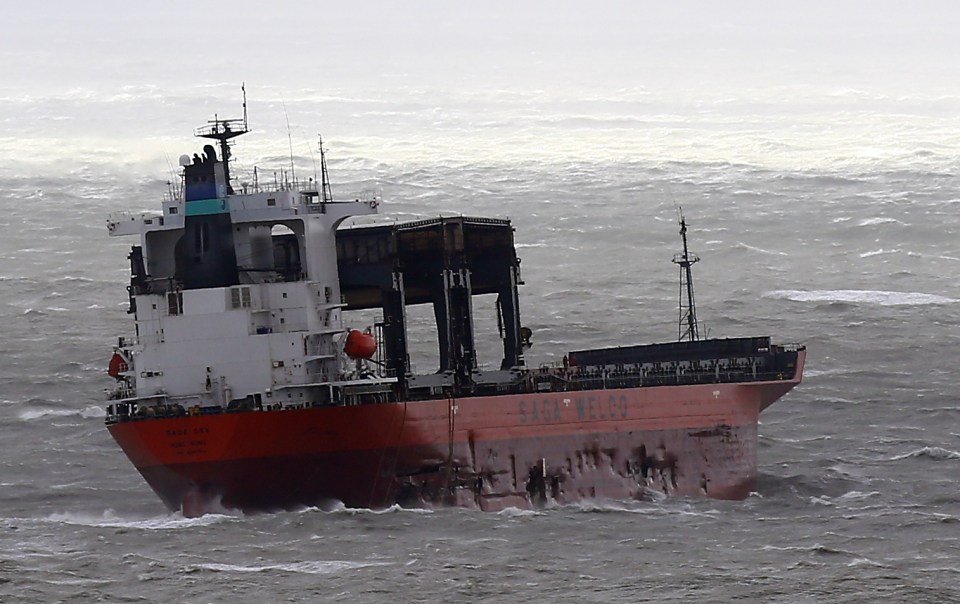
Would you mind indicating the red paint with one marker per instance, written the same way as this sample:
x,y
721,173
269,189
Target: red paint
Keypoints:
x,y
117,366
485,452
360,345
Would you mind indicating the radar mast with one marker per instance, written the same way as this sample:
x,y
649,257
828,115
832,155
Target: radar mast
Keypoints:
x,y
224,131
687,327
326,193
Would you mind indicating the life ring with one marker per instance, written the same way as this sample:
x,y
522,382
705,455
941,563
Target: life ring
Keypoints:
x,y
373,204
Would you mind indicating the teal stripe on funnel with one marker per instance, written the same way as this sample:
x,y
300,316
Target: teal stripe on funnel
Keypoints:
x,y
203,207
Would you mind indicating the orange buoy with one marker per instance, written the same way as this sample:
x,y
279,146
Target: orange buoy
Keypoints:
x,y
117,366
360,345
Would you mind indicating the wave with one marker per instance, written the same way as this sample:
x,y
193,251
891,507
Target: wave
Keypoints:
x,y
667,506
880,252
862,296
514,512
311,567
816,548
866,562
934,256
837,400
90,412
846,497
831,371
935,453
760,249
337,507
880,220
857,495
794,441
109,520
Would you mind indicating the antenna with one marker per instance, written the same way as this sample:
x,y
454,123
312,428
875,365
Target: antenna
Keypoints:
x,y
243,88
313,160
687,329
223,131
326,193
293,174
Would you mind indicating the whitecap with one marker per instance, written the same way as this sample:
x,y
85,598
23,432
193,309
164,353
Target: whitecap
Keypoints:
x,y
879,252
337,507
89,412
857,495
934,256
760,250
818,372
783,548
514,512
937,453
110,520
865,296
865,562
879,220
838,400
78,581
312,567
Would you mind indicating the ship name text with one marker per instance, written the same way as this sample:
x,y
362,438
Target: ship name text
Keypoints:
x,y
554,409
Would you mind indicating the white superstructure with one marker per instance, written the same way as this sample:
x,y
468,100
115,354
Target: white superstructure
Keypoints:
x,y
236,296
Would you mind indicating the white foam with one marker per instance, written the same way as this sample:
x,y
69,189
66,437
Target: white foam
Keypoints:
x,y
861,296
90,412
866,562
78,581
337,507
857,495
879,220
312,567
514,512
110,520
931,452
879,252
760,249
818,372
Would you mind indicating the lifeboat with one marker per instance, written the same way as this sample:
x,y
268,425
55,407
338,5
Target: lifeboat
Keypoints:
x,y
117,366
360,345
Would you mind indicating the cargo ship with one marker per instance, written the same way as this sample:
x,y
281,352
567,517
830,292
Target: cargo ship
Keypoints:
x,y
244,388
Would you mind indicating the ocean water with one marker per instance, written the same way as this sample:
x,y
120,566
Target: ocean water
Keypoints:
x,y
823,204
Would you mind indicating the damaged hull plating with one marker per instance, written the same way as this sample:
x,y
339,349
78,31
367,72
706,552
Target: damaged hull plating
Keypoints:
x,y
483,452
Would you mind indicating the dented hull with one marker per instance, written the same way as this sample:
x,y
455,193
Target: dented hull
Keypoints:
x,y
485,452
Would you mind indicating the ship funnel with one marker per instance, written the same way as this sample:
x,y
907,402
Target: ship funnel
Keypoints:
x,y
205,254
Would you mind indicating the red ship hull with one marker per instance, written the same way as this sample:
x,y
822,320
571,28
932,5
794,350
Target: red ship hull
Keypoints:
x,y
488,452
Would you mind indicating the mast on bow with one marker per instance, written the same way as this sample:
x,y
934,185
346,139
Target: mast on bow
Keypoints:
x,y
687,325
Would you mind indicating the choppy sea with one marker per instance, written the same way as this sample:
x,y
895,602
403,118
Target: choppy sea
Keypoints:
x,y
822,216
